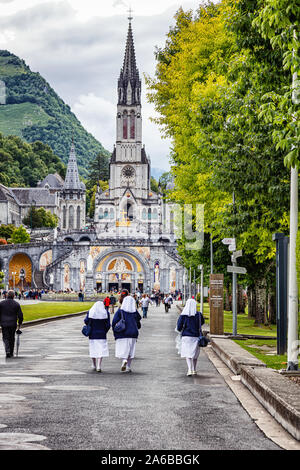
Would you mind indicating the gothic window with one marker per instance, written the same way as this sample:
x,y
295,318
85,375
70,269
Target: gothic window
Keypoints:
x,y
111,213
132,125
101,213
64,217
144,215
78,217
125,125
71,218
149,214
106,214
154,215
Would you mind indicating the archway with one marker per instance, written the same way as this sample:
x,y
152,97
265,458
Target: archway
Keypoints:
x,y
121,269
20,272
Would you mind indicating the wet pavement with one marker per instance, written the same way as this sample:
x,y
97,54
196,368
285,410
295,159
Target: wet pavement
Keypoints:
x,y
51,399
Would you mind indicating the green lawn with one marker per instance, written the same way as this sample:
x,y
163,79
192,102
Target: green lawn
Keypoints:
x,y
264,350
52,309
245,325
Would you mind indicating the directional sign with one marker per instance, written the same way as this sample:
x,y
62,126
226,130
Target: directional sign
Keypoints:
x,y
232,247
236,269
228,241
237,254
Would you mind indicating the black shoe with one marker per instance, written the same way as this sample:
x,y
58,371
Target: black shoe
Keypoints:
x,y
8,355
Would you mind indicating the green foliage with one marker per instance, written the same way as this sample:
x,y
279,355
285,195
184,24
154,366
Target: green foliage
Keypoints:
x,y
2,275
23,164
35,112
6,231
20,235
91,194
278,21
38,218
210,81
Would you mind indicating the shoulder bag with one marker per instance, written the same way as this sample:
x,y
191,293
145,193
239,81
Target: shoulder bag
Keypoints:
x,y
202,340
87,329
120,325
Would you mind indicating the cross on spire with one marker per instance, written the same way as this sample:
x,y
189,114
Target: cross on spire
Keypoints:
x,y
130,11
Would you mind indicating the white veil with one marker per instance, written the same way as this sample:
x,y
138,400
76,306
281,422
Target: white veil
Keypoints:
x,y
129,304
190,308
98,311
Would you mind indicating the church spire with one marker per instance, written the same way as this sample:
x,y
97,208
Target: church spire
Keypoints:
x,y
72,180
129,84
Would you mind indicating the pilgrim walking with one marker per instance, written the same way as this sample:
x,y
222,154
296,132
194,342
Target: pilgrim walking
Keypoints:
x,y
98,318
188,325
10,316
126,324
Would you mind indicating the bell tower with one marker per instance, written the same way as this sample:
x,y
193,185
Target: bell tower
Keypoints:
x,y
129,165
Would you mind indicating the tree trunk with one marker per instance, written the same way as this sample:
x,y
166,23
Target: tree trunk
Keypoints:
x,y
240,299
227,302
260,291
251,303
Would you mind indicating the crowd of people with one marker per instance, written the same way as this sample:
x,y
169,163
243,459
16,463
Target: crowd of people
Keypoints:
x,y
125,325
32,294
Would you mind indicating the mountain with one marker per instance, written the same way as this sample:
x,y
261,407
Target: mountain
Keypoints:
x,y
33,111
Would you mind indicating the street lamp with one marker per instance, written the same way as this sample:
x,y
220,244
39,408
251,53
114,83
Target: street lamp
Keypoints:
x,y
201,269
14,279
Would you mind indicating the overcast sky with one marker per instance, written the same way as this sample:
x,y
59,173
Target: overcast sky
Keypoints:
x,y
78,47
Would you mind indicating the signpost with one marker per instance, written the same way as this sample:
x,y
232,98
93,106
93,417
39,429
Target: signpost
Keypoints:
x,y
234,269
216,304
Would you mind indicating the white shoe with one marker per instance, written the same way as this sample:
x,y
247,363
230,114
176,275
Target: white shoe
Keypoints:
x,y
189,373
124,364
194,372
127,369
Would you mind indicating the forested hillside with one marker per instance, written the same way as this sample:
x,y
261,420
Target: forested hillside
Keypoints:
x,y
23,164
33,111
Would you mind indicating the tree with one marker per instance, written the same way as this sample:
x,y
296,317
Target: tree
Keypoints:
x,y
278,20
6,231
91,194
20,235
38,218
209,84
98,169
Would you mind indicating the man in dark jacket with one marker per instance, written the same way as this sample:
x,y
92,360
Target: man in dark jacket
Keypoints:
x,y
10,315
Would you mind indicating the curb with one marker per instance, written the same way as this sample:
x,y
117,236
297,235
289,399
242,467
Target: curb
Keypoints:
x,y
278,394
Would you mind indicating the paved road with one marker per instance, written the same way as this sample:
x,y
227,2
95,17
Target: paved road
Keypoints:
x,y
51,399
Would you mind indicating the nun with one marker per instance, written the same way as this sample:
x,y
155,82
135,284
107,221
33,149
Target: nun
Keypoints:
x,y
99,319
126,339
188,326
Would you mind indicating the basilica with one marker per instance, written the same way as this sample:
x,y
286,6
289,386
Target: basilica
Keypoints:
x,y
131,243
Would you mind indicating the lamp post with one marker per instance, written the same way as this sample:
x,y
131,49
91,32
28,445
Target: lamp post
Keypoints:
x,y
14,279
293,342
201,269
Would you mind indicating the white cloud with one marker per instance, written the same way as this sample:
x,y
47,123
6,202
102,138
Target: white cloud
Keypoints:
x,y
98,116
78,47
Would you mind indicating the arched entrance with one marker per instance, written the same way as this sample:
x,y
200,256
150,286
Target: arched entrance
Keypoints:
x,y
20,272
120,270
